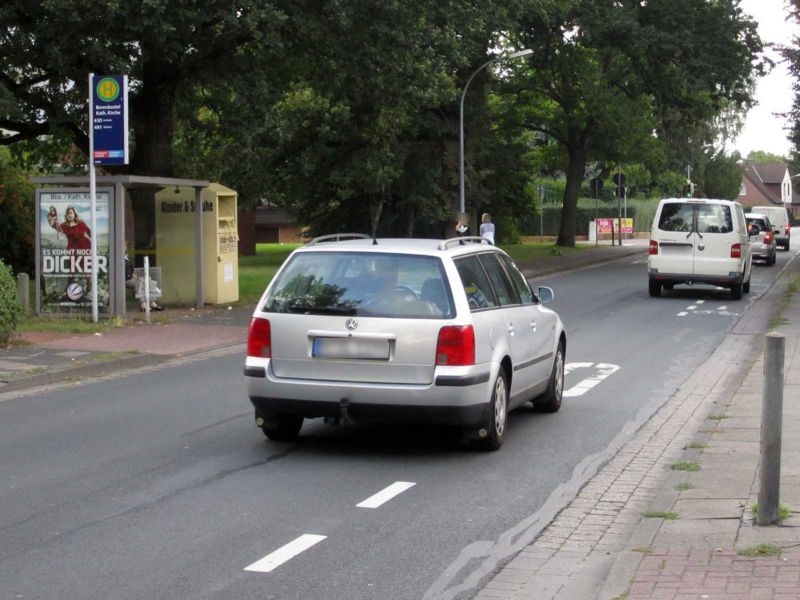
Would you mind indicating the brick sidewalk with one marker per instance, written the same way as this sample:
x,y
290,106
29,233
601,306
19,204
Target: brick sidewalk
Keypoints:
x,y
716,573
616,540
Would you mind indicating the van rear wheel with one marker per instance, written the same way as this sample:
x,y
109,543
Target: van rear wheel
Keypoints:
x,y
655,288
736,291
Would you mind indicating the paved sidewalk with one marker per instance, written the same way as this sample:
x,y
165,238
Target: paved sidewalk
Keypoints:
x,y
644,528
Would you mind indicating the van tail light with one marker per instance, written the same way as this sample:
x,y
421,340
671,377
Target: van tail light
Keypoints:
x,y
653,247
736,251
259,338
456,345
786,229
768,238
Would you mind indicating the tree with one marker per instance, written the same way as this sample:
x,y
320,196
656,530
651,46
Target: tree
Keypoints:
x,y
722,176
604,75
16,216
791,54
761,157
165,46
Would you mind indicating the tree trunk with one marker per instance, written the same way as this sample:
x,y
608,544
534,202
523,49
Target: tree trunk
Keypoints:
x,y
569,209
152,115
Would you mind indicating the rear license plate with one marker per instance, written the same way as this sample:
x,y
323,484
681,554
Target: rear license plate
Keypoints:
x,y
352,348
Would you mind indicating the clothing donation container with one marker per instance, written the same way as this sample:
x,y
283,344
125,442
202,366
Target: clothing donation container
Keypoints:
x,y
175,244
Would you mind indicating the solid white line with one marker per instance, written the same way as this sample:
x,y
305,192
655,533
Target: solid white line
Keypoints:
x,y
287,552
374,501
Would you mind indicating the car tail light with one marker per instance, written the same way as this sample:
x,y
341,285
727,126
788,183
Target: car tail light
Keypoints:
x,y
736,251
259,338
767,238
456,345
653,247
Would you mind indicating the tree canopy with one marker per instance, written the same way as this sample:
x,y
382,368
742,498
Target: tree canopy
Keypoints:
x,y
346,113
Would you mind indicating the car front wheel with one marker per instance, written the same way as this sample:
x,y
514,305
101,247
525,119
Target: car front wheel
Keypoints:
x,y
492,432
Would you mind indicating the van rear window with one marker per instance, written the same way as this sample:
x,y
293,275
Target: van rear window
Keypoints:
x,y
676,216
704,218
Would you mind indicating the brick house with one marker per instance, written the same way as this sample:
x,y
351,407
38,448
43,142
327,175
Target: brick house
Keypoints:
x,y
768,184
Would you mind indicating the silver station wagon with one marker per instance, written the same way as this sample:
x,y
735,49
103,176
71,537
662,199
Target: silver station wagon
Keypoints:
x,y
356,329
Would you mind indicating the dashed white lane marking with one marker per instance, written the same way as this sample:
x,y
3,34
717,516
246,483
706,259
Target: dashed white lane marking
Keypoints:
x,y
604,370
386,494
281,555
683,314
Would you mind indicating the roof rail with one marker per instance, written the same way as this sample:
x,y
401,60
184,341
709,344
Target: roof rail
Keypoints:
x,y
338,237
473,239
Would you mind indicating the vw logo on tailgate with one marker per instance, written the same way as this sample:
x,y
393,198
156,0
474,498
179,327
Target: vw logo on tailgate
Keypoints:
x,y
351,324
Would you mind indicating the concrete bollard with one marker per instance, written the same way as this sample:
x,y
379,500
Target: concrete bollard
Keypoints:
x,y
771,426
24,292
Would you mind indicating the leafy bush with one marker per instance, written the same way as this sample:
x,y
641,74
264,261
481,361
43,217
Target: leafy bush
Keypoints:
x,y
10,308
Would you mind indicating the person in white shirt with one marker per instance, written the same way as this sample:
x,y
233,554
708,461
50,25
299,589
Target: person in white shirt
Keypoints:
x,y
487,227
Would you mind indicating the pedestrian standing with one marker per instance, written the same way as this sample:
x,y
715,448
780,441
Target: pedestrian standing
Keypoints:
x,y
462,226
487,228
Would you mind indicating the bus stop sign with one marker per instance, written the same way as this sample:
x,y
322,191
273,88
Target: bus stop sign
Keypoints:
x,y
110,119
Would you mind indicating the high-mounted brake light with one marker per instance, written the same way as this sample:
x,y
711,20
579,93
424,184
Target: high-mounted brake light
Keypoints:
x,y
653,247
736,251
456,345
259,338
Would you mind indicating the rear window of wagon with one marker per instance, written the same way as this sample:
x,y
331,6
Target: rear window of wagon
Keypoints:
x,y
362,284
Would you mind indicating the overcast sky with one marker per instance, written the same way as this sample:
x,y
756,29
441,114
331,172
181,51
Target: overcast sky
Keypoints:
x,y
764,130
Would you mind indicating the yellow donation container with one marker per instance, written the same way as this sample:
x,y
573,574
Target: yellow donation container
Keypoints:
x,y
175,244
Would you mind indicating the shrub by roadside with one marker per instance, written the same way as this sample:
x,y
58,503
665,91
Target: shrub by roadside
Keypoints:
x,y
10,309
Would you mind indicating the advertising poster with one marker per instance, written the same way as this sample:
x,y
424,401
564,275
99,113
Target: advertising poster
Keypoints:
x,y
607,225
65,247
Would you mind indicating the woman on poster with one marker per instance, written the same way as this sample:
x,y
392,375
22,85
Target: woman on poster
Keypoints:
x,y
76,231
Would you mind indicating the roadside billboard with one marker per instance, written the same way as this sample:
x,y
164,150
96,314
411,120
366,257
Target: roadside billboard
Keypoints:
x,y
607,225
64,261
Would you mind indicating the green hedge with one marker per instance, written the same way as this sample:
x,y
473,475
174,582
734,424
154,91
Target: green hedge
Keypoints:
x,y
551,219
10,308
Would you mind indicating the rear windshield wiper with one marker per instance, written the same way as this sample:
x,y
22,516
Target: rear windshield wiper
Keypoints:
x,y
321,310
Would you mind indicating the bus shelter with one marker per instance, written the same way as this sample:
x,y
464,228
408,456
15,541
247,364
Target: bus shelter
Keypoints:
x,y
56,195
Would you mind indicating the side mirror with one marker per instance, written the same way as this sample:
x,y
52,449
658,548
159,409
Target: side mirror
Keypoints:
x,y
545,294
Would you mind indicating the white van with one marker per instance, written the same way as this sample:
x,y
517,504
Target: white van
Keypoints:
x,y
781,226
699,241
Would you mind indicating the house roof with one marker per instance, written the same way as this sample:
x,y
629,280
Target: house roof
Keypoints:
x,y
755,174
770,173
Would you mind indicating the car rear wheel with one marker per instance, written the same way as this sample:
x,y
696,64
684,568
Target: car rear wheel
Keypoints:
x,y
550,401
492,432
655,288
281,428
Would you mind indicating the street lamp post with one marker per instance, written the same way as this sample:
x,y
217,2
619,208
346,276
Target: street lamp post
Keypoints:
x,y
462,198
